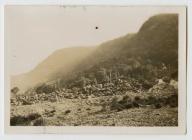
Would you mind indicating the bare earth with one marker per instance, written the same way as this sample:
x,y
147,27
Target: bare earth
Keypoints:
x,y
81,112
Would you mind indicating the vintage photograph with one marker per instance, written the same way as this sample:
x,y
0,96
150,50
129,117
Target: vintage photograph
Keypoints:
x,y
113,66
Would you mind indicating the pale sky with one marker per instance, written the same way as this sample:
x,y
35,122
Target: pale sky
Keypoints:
x,y
34,32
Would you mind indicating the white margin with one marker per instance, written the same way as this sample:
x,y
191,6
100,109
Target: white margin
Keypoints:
x,y
188,136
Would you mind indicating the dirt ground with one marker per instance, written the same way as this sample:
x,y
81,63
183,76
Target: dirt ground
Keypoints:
x,y
81,112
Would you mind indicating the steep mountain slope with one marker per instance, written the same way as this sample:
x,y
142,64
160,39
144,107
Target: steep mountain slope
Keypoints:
x,y
142,54
158,39
139,55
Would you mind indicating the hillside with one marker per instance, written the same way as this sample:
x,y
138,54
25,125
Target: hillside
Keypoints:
x,y
128,81
60,62
150,54
140,55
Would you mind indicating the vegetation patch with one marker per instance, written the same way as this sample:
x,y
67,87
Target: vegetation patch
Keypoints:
x,y
24,120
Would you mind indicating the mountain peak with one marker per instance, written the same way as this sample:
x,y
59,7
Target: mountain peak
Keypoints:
x,y
159,20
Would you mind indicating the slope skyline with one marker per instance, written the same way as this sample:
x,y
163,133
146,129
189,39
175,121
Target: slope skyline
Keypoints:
x,y
155,43
32,38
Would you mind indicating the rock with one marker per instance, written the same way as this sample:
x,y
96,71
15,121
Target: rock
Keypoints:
x,y
174,84
162,90
67,112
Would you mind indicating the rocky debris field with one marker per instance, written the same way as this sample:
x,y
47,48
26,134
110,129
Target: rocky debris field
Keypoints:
x,y
157,106
119,88
80,113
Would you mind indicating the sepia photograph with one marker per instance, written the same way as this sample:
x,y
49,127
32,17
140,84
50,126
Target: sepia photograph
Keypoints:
x,y
95,67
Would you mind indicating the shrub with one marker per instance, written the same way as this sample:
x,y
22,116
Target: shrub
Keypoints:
x,y
126,102
137,98
33,116
114,105
23,120
15,90
135,104
18,121
140,101
157,105
44,89
173,100
163,101
166,79
114,100
38,122
151,100
147,85
126,98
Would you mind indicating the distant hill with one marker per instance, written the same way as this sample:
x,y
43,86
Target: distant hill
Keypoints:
x,y
155,44
60,62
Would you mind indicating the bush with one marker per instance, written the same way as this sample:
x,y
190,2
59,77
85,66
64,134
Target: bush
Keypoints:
x,y
44,89
135,104
126,98
33,116
18,121
114,105
147,85
166,79
158,105
137,98
163,101
151,100
38,122
114,100
125,103
173,100
23,120
15,90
